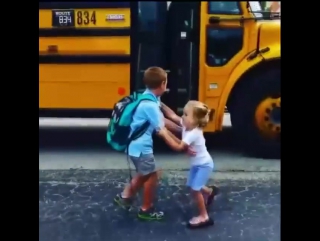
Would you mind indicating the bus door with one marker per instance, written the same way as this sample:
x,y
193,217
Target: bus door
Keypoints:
x,y
148,21
183,42
222,46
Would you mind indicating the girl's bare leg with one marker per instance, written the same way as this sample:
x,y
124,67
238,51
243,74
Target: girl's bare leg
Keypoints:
x,y
209,194
203,214
206,190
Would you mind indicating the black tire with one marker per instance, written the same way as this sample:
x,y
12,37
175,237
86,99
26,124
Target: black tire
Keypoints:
x,y
244,103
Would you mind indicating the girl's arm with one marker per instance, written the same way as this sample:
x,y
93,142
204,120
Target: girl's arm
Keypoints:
x,y
170,139
174,137
171,126
189,150
170,114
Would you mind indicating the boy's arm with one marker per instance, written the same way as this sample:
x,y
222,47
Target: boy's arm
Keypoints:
x,y
155,118
153,115
170,114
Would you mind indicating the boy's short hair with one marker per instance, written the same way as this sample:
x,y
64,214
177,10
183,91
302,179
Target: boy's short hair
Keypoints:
x,y
154,77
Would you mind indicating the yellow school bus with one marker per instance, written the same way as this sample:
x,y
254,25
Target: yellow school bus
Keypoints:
x,y
91,54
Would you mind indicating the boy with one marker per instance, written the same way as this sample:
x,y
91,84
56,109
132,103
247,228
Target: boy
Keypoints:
x,y
140,151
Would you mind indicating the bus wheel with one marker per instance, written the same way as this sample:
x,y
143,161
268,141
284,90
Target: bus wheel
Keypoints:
x,y
256,114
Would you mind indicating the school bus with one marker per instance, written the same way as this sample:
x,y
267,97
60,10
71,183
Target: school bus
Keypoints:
x,y
91,54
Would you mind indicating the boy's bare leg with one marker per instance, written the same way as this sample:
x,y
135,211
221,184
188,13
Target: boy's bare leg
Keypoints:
x,y
149,191
125,198
159,174
133,187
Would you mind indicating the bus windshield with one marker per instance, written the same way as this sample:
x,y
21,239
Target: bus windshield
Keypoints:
x,y
266,8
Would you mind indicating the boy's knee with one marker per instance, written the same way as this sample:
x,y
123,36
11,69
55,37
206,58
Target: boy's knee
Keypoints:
x,y
152,175
138,178
159,174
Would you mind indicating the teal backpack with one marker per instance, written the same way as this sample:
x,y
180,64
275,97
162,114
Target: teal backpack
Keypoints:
x,y
118,132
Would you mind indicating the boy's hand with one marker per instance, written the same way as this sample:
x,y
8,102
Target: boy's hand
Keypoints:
x,y
191,151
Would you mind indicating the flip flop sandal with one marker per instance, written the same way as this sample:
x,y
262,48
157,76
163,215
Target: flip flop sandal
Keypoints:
x,y
207,223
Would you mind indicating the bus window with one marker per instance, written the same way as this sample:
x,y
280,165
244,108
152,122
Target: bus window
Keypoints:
x,y
152,21
151,38
224,7
223,44
148,21
147,16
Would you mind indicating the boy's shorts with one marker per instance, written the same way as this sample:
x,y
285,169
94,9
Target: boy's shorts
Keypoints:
x,y
145,164
199,176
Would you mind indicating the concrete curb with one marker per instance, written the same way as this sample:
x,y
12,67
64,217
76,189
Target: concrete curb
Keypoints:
x,y
224,162
56,123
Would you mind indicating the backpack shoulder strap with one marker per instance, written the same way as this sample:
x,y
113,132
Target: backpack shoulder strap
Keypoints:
x,y
147,96
141,130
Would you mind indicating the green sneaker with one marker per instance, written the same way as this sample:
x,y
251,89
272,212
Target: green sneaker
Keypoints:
x,y
150,214
125,203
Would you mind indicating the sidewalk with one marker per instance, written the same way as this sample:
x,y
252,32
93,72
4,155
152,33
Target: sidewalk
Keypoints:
x,y
45,122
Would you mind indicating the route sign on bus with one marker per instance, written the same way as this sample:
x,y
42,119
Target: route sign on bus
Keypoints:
x,y
63,18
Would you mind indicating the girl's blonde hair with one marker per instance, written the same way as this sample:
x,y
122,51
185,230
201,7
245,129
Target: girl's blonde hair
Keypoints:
x,y
200,112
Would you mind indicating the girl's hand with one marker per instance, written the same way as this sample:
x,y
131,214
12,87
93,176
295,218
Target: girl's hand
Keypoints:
x,y
191,151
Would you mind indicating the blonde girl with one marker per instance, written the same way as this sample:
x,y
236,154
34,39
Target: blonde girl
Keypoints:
x,y
195,118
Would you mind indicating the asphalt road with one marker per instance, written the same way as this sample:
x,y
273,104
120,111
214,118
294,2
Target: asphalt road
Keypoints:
x,y
79,176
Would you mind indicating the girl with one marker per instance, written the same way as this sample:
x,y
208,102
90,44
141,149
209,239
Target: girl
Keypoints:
x,y
195,118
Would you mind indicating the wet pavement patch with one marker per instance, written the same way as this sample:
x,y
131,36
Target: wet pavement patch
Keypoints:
x,y
84,211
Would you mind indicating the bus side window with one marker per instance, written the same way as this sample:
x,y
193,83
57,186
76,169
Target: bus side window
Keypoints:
x,y
223,44
148,16
223,7
151,33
